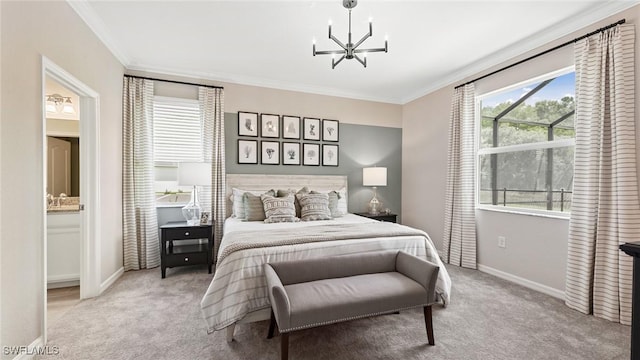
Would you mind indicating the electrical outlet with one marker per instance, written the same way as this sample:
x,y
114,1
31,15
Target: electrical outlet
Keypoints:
x,y
502,242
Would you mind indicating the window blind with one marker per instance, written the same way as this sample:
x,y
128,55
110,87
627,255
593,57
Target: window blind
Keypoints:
x,y
177,130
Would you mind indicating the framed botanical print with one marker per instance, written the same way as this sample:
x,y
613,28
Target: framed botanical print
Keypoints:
x,y
270,125
330,130
247,124
330,155
311,129
247,151
311,154
290,153
270,153
291,127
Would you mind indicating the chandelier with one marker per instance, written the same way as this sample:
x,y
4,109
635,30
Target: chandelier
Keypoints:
x,y
350,50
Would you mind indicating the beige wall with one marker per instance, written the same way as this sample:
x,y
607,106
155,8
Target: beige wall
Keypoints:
x,y
26,35
283,102
536,246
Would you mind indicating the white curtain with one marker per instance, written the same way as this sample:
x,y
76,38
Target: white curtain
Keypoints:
x,y
460,225
139,219
212,114
604,211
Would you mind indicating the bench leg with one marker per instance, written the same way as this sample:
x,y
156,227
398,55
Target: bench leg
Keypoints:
x,y
284,346
429,323
230,329
272,325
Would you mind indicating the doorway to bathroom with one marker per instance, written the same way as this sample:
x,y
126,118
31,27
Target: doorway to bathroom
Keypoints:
x,y
70,192
63,198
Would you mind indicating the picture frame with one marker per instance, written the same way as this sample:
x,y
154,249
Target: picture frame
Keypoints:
x,y
311,154
330,155
311,129
290,153
330,130
270,152
247,124
204,218
247,151
270,125
290,127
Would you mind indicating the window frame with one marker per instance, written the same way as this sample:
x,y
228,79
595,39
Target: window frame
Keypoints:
x,y
542,145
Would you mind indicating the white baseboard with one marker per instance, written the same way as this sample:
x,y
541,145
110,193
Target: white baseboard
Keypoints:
x,y
65,280
28,352
62,284
107,283
559,294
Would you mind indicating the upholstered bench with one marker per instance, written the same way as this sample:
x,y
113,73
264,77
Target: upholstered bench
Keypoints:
x,y
310,293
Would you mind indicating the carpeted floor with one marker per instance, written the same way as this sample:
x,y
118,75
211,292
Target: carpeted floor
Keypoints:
x,y
145,317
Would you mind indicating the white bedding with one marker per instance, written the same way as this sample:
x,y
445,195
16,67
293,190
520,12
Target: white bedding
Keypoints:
x,y
238,287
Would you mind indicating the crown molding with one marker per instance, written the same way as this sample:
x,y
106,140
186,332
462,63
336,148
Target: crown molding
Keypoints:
x,y
534,41
266,83
93,21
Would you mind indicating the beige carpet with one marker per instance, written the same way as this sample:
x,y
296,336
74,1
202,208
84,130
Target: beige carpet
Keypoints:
x,y
145,317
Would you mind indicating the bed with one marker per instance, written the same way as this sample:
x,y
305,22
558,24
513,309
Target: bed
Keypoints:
x,y
238,293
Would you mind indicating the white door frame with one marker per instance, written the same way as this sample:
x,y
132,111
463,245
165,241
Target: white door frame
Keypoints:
x,y
89,183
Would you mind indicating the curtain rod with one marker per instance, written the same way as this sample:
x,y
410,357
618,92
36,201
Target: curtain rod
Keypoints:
x,y
174,81
620,22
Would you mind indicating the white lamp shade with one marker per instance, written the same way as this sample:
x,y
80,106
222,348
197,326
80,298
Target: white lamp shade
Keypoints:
x,y
374,176
194,173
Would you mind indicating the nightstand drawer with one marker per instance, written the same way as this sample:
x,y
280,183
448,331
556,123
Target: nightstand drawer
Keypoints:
x,y
185,259
188,233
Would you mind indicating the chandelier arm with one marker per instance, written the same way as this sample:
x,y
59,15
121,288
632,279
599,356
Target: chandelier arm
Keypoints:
x,y
334,62
362,40
359,51
331,52
363,62
338,42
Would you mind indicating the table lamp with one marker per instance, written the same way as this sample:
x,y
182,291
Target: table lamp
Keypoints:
x,y
374,176
193,174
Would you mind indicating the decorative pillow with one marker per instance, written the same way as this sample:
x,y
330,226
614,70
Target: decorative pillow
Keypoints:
x,y
314,206
279,209
334,198
253,208
238,201
292,192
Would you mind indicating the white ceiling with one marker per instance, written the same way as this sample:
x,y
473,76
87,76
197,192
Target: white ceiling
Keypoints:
x,y
268,43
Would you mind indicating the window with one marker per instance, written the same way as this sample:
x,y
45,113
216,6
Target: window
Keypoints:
x,y
526,144
177,137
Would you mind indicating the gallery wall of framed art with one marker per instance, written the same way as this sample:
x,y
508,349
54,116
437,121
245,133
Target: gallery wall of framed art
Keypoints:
x,y
271,139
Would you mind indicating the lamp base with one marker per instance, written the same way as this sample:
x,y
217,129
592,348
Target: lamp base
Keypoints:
x,y
374,204
192,210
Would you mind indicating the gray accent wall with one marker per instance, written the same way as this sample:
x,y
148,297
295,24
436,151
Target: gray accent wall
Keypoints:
x,y
359,146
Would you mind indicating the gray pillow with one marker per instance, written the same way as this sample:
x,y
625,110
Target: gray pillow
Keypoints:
x,y
253,208
314,206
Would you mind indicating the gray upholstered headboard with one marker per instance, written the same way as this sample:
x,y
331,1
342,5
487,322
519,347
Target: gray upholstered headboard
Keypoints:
x,y
267,182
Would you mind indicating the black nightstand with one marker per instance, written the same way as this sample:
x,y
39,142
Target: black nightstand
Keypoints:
x,y
381,217
181,245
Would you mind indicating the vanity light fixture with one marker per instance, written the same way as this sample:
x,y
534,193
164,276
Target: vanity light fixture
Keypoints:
x,y
350,50
57,103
